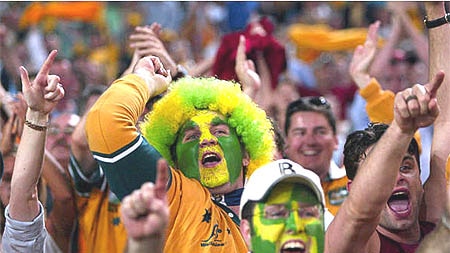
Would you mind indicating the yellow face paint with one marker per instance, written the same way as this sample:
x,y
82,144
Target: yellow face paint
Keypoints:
x,y
280,221
209,150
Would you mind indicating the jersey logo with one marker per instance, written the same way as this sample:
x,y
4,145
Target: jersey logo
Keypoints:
x,y
213,239
207,216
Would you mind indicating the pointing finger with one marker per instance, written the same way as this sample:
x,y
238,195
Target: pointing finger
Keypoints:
x,y
45,69
435,83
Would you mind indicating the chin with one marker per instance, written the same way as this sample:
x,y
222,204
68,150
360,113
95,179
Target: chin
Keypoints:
x,y
221,189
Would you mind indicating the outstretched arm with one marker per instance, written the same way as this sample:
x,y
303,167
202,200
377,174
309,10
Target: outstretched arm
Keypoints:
x,y
440,150
245,71
353,228
363,57
111,127
24,216
41,96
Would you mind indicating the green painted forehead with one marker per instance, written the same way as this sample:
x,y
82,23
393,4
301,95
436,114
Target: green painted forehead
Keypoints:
x,y
286,191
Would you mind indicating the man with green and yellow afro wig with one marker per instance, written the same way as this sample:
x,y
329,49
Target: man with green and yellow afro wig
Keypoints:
x,y
189,96
211,134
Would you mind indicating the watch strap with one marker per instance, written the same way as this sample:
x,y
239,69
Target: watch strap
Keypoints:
x,y
437,22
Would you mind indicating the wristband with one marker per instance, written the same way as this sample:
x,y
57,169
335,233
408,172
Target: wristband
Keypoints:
x,y
437,22
34,126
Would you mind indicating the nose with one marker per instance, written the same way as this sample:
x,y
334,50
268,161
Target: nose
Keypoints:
x,y
400,179
309,138
208,141
294,224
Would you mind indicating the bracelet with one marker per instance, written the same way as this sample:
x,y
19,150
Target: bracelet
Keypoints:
x,y
437,22
35,127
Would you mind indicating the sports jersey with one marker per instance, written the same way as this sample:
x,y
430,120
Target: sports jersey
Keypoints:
x,y
196,222
99,226
335,188
388,245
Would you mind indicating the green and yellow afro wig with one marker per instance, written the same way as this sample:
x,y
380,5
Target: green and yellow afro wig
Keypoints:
x,y
187,96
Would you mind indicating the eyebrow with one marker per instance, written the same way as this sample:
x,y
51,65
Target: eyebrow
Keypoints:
x,y
189,125
218,121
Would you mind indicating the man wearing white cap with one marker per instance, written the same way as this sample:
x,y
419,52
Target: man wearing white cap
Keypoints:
x,y
283,208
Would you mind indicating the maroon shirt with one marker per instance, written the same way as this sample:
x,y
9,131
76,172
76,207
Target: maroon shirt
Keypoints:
x,y
390,246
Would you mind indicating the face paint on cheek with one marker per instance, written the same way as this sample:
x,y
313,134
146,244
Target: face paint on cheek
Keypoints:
x,y
315,230
265,232
187,158
233,154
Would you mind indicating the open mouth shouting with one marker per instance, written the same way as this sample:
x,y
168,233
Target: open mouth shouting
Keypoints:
x,y
399,203
210,159
293,246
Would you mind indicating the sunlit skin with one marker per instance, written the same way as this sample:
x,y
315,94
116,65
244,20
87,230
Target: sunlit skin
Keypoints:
x,y
209,150
274,232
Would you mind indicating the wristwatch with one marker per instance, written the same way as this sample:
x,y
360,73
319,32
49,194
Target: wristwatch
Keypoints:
x,y
437,22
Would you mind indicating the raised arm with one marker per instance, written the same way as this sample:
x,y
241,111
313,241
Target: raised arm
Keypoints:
x,y
245,71
41,96
24,215
111,127
439,54
353,228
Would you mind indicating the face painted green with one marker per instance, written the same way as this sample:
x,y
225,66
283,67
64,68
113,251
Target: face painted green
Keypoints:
x,y
276,226
209,150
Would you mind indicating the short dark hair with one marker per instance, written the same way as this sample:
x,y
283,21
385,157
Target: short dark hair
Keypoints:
x,y
359,141
310,104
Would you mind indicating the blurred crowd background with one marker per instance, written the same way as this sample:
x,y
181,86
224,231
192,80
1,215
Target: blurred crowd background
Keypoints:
x,y
318,38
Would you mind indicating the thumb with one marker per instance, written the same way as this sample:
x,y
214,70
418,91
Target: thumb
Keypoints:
x,y
24,78
435,83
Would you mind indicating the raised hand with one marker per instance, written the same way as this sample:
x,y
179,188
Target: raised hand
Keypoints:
x,y
363,57
45,91
153,72
245,70
145,40
145,212
417,106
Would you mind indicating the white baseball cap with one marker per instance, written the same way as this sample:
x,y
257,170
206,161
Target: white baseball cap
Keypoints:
x,y
268,176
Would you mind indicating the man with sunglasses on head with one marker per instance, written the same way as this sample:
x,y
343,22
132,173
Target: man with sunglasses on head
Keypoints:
x,y
311,139
282,209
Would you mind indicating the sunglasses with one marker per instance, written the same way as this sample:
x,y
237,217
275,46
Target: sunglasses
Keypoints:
x,y
309,102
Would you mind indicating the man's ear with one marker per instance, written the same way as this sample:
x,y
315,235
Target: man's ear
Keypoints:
x,y
246,232
245,159
349,183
